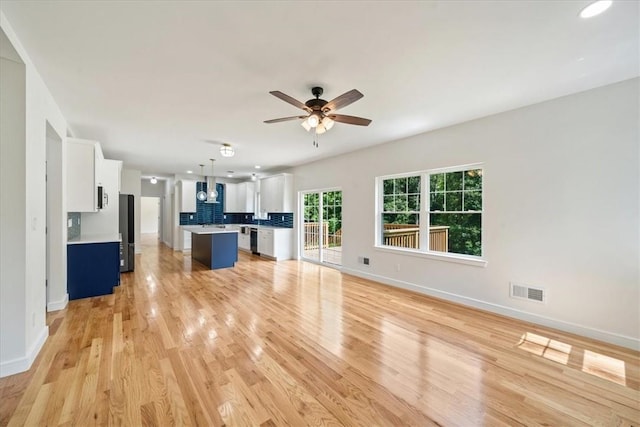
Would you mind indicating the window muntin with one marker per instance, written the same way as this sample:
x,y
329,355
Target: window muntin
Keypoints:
x,y
453,211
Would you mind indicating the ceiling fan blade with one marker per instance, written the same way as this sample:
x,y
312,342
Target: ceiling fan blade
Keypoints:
x,y
290,100
351,120
343,100
284,119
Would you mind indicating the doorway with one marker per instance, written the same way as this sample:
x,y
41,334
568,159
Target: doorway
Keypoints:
x,y
150,216
322,226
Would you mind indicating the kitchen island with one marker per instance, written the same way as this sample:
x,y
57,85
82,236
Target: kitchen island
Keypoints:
x,y
216,247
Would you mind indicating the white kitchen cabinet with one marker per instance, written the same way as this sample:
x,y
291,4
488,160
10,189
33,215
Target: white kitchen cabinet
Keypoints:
x,y
239,198
265,242
244,242
187,195
276,193
186,241
275,243
107,219
84,163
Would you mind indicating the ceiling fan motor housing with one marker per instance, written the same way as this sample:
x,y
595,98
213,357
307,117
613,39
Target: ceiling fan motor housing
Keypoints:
x,y
316,104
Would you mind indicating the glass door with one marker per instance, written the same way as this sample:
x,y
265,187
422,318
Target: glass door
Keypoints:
x,y
322,226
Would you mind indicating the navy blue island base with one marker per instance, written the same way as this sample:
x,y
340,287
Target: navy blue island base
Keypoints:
x,y
215,250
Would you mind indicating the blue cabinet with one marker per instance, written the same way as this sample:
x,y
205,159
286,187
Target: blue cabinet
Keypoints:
x,y
215,250
93,269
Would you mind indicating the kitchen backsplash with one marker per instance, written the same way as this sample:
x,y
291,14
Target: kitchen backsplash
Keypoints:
x,y
206,213
73,232
277,219
212,213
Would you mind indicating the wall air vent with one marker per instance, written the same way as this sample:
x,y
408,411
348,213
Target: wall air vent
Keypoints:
x,y
530,293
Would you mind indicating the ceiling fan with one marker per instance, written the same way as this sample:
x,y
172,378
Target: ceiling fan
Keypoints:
x,y
321,114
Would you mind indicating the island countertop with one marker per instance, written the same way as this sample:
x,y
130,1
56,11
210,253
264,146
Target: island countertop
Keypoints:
x,y
198,229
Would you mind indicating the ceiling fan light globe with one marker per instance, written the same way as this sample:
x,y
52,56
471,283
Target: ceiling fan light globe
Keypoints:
x,y
320,129
313,120
227,150
328,123
306,125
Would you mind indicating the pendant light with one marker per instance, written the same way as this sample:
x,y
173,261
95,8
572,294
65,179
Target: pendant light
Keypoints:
x,y
202,196
212,194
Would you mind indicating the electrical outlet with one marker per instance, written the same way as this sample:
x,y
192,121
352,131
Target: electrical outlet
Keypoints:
x,y
397,267
282,218
69,223
190,216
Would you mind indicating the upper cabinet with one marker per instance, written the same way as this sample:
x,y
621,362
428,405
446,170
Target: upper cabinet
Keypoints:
x,y
187,190
84,162
239,198
276,193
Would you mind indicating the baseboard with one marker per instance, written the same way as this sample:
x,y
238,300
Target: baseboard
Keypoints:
x,y
22,364
58,305
609,337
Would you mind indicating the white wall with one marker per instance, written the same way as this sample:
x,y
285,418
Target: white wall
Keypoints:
x,y
152,190
57,296
149,213
130,184
167,214
107,219
24,267
561,188
12,206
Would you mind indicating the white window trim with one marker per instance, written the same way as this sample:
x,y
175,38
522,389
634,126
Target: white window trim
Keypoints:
x,y
423,215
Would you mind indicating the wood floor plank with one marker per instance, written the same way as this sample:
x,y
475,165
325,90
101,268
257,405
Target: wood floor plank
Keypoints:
x,y
291,343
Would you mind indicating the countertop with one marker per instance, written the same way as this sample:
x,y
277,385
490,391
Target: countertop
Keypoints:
x,y
198,229
231,226
96,238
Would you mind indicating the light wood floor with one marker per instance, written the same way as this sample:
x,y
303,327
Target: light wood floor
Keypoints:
x,y
293,343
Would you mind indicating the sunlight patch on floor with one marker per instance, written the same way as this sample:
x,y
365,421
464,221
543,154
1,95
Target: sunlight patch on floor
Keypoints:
x,y
608,368
542,346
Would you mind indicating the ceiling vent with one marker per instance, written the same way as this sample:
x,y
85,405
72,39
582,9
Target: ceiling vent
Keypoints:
x,y
530,293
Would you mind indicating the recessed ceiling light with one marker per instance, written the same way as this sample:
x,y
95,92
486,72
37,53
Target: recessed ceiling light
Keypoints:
x,y
257,166
189,171
595,8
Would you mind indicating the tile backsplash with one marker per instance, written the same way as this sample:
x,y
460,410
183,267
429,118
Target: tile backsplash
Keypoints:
x,y
206,213
275,219
212,213
73,232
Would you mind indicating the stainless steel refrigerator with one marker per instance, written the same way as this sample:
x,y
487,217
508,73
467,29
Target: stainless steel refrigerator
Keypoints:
x,y
127,230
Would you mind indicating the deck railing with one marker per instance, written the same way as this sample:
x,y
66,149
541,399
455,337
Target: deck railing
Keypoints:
x,y
401,235
312,236
408,236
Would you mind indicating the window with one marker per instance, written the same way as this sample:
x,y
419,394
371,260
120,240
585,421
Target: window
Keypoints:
x,y
401,211
452,209
456,210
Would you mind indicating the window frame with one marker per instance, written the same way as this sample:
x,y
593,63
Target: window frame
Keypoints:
x,y
424,217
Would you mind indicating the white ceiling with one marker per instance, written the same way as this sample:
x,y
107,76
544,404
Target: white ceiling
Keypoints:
x,y
157,82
